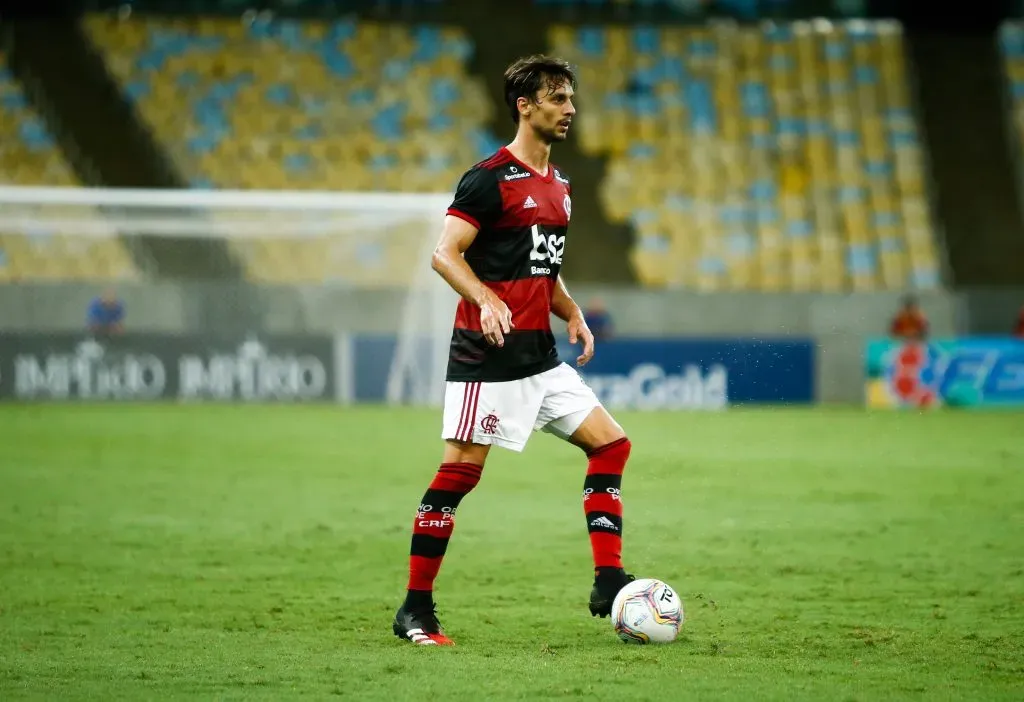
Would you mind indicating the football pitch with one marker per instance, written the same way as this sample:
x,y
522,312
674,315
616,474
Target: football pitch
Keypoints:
x,y
228,552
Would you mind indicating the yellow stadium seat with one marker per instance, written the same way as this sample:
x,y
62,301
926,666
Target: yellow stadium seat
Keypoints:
x,y
55,256
863,282
893,269
273,143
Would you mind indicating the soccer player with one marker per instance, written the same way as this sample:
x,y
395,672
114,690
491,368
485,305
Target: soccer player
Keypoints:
x,y
501,249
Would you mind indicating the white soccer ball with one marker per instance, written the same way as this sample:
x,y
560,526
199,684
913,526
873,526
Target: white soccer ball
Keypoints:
x,y
647,611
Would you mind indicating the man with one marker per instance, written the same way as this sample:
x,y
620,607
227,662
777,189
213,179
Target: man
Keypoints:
x,y
501,249
598,320
105,315
909,324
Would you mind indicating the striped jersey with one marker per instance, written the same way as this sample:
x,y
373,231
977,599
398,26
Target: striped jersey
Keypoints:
x,y
522,218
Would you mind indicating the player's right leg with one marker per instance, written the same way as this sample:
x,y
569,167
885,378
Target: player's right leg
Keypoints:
x,y
477,415
461,466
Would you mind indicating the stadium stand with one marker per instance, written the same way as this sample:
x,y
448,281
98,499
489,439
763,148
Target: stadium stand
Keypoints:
x,y
1011,42
30,156
747,9
333,105
773,157
304,104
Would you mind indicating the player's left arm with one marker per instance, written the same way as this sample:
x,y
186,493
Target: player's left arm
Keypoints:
x,y
566,309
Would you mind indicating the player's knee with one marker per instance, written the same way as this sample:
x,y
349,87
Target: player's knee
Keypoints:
x,y
456,478
465,452
616,450
625,446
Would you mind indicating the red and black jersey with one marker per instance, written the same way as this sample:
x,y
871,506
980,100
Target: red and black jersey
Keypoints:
x,y
522,218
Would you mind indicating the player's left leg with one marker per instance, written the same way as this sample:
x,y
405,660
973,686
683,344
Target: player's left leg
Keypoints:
x,y
598,430
607,449
572,412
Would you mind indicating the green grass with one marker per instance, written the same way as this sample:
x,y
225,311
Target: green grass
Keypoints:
x,y
259,552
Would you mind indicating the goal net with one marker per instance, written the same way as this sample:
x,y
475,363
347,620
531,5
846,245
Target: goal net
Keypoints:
x,y
359,242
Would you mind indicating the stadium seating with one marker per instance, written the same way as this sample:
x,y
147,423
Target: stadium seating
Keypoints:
x,y
30,156
291,104
1011,41
286,104
746,9
780,157
739,9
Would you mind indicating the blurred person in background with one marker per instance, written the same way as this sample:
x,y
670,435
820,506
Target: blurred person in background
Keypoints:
x,y
598,319
910,323
105,316
1018,329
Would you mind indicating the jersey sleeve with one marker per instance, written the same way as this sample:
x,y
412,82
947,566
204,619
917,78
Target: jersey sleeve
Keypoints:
x,y
477,199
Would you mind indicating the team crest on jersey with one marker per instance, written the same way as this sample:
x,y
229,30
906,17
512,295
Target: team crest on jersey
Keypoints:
x,y
567,204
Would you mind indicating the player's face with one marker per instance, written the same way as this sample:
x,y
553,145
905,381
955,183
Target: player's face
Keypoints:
x,y
552,113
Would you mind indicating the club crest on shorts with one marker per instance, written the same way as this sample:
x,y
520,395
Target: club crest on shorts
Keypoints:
x,y
489,423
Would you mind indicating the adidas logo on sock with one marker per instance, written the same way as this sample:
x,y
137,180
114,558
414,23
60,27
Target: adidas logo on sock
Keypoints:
x,y
529,202
604,522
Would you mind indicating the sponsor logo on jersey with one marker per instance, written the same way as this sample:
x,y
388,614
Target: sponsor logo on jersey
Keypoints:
x,y
549,248
515,174
530,202
559,178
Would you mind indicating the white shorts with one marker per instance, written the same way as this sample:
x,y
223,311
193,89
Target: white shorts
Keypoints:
x,y
506,413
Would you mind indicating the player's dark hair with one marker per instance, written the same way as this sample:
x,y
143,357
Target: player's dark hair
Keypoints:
x,y
528,75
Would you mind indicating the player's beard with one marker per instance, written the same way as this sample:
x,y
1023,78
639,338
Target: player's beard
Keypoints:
x,y
550,135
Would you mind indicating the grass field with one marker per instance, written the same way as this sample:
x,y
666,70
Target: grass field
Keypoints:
x,y
155,552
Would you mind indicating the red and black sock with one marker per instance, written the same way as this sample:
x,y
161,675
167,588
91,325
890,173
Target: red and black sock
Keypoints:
x,y
602,503
433,526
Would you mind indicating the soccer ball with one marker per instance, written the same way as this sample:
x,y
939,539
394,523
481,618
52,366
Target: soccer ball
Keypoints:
x,y
647,611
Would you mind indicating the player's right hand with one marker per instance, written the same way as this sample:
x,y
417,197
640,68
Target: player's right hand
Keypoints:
x,y
495,319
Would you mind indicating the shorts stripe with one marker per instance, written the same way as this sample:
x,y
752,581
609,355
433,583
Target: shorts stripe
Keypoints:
x,y
474,399
465,408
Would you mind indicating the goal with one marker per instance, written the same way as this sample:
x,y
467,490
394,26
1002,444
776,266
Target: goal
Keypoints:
x,y
357,242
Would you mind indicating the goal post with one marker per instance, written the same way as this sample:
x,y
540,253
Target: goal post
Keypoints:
x,y
352,240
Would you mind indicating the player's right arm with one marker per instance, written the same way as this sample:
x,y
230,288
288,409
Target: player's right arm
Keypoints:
x,y
448,261
477,204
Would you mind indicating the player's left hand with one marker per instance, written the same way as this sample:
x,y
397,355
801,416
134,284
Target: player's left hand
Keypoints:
x,y
578,330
